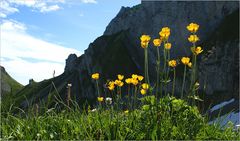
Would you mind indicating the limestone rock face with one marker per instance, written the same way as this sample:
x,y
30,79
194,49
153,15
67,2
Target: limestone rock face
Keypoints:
x,y
150,16
70,63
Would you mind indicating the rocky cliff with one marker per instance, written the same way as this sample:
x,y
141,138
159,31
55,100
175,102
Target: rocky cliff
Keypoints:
x,y
119,51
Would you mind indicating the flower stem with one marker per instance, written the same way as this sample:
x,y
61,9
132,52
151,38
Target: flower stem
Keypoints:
x,y
158,71
146,65
183,84
174,79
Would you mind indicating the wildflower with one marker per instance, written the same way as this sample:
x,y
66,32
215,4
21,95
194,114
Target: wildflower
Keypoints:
x,y
118,83
120,77
111,85
167,46
189,64
198,50
196,85
145,40
94,110
143,91
100,99
126,111
140,78
172,63
185,60
134,76
145,86
128,80
193,38
108,100
134,81
157,42
165,33
193,27
95,76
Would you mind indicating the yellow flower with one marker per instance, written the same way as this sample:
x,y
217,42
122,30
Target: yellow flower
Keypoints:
x,y
126,111
143,91
165,33
145,40
95,76
120,77
172,63
128,80
140,78
193,38
167,46
134,81
193,27
157,42
185,60
144,44
198,50
111,85
118,83
189,64
145,86
134,76
100,99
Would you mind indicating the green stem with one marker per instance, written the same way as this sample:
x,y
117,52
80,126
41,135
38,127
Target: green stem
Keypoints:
x,y
97,88
146,66
183,84
158,70
135,96
174,79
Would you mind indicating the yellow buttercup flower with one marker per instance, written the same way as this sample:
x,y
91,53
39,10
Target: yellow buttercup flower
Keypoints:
x,y
144,44
185,60
143,91
95,76
145,40
134,81
157,42
189,64
140,78
111,85
100,99
145,86
126,111
172,63
193,27
165,33
128,80
118,83
198,50
120,77
193,38
167,46
134,76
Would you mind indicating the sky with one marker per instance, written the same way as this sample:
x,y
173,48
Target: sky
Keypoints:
x,y
38,35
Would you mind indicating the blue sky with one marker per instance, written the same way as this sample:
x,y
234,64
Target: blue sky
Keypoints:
x,y
37,36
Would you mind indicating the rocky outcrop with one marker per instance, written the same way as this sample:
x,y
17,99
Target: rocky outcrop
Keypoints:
x,y
150,16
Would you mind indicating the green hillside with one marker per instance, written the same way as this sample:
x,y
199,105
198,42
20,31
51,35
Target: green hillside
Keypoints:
x,y
8,84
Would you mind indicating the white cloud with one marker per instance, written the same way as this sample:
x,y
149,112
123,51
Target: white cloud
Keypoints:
x,y
17,45
6,9
11,6
89,1
49,8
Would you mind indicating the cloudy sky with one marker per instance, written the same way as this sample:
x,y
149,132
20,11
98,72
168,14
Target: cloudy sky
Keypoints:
x,y
38,35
